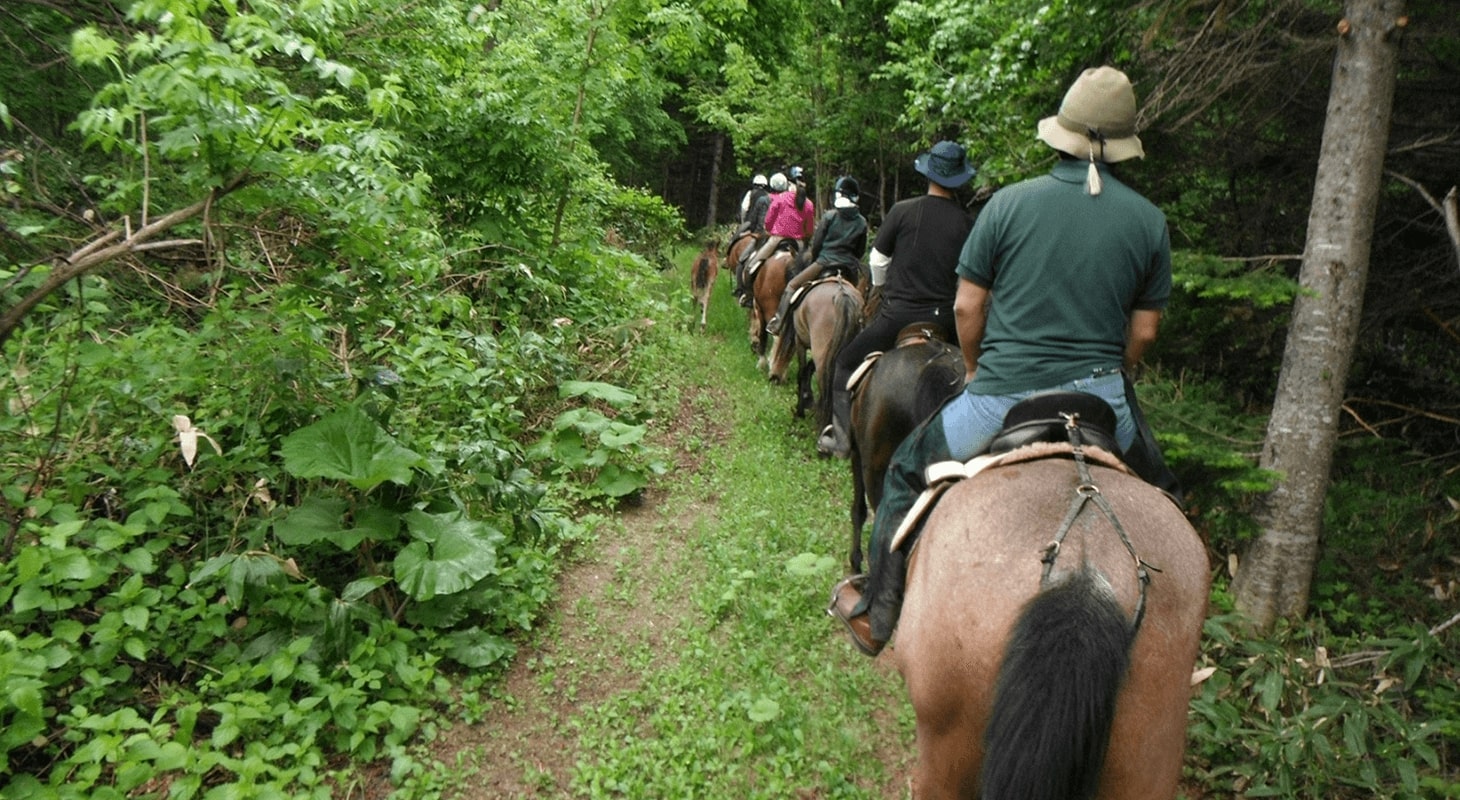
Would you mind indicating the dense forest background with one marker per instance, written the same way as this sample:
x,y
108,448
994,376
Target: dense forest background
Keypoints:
x,y
317,322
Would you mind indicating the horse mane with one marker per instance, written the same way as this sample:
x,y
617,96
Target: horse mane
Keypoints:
x,y
1054,701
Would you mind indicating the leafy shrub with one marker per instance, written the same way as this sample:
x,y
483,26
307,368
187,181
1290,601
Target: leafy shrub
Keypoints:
x,y
1287,716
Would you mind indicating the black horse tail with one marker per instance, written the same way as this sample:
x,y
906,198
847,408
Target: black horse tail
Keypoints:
x,y
1054,702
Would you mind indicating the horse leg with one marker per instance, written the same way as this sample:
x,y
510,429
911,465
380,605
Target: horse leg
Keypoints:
x,y
949,739
859,509
804,369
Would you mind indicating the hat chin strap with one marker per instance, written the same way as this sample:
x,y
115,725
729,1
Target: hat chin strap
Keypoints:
x,y
1092,178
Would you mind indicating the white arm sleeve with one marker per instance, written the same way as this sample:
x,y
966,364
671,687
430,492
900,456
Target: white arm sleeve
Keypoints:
x,y
879,263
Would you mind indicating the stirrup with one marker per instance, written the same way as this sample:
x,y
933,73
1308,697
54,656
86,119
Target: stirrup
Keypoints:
x,y
860,625
826,444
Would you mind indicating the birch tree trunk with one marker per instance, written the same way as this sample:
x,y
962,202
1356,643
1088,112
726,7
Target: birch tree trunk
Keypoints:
x,y
1273,579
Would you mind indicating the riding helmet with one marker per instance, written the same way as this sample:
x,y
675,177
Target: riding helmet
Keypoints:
x,y
796,174
846,186
778,182
759,180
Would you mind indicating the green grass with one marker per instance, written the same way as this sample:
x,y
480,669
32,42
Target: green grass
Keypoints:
x,y
755,693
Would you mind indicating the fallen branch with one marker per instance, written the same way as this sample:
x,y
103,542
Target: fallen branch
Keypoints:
x,y
104,248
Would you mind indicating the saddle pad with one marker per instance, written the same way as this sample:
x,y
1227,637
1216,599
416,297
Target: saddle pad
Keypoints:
x,y
862,369
944,474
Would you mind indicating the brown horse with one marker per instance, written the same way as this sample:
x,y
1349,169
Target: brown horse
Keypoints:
x,y
892,394
828,315
1062,681
740,246
766,287
702,278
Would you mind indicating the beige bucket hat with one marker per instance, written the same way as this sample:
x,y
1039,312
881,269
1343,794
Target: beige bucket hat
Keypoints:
x,y
1097,119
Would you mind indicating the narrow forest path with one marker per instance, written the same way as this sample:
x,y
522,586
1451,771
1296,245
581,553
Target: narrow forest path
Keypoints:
x,y
688,653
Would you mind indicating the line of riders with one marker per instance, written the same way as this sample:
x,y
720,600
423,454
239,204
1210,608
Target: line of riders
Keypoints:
x,y
1058,286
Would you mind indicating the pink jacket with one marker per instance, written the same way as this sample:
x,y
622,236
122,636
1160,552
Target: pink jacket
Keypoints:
x,y
782,218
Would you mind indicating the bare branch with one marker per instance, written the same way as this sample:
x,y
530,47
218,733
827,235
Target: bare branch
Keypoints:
x,y
104,249
1446,209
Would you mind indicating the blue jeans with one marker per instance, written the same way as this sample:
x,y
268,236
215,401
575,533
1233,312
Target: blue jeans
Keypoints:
x,y
970,420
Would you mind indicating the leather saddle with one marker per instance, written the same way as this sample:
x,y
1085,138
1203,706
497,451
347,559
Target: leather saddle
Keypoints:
x,y
1044,418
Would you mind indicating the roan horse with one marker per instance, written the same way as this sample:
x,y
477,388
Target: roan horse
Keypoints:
x,y
891,394
1050,624
766,286
826,317
702,278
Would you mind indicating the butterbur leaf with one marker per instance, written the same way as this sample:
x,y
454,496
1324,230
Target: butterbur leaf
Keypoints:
x,y
358,590
810,564
451,553
619,436
349,446
477,648
607,392
615,481
764,710
322,519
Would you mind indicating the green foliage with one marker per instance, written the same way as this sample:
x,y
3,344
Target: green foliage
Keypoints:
x,y
1245,306
1285,717
990,70
586,441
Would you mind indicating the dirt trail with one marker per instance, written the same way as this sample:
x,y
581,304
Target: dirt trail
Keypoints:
x,y
525,746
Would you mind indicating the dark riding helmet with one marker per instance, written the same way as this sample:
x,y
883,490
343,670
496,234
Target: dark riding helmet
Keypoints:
x,y
846,186
796,174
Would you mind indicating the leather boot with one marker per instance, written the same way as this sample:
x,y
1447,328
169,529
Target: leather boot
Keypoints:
x,y
845,598
836,438
774,326
905,481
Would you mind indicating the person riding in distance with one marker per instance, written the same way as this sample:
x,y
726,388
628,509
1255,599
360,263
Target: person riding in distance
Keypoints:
x,y
777,186
753,206
792,215
1062,284
836,246
913,263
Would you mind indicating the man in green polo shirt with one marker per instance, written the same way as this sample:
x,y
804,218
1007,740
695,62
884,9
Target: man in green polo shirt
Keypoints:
x,y
1062,282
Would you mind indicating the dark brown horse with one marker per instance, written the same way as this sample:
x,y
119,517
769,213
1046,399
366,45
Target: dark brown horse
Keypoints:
x,y
827,316
766,286
1063,681
895,392
702,278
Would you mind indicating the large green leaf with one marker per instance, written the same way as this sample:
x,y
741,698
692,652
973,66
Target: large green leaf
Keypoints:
x,y
451,553
322,519
477,648
607,392
349,446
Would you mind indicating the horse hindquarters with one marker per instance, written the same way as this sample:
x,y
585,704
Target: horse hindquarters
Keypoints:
x,y
1055,698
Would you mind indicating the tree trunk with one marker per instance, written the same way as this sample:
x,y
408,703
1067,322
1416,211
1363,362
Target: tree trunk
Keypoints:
x,y
715,180
1273,579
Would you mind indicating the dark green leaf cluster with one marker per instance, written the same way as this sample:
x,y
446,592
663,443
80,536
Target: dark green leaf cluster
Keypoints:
x,y
1308,714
